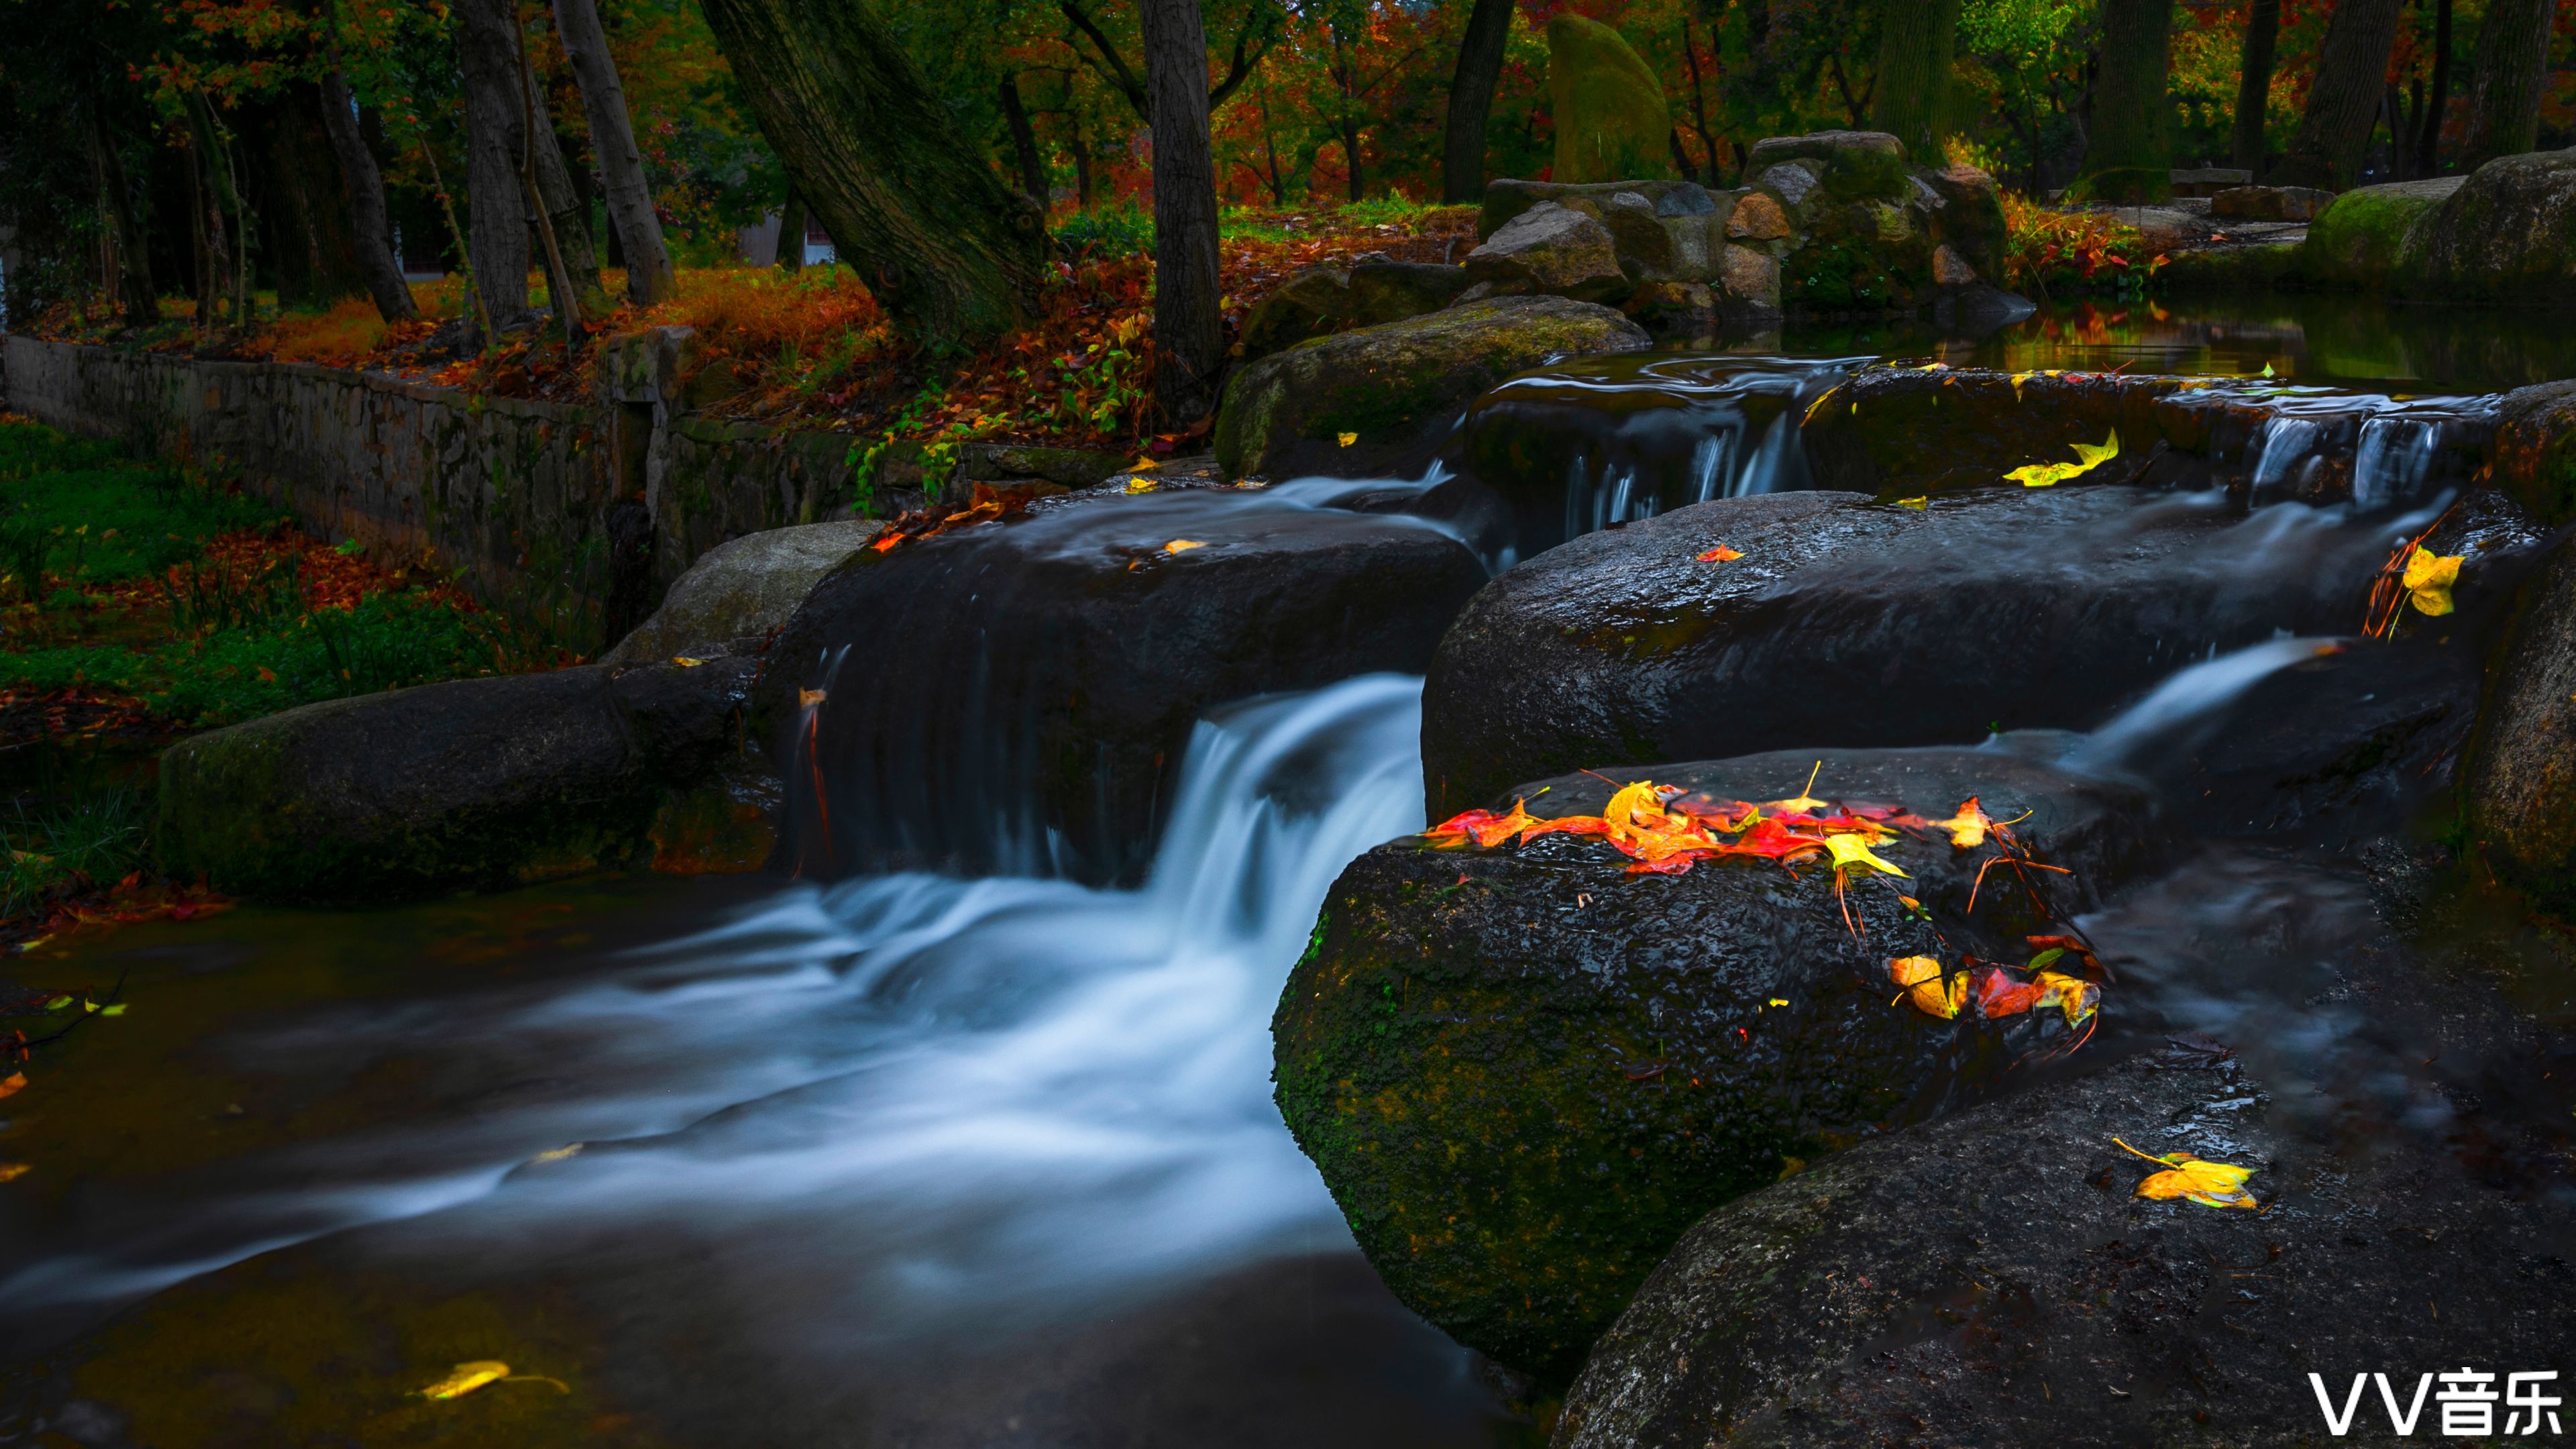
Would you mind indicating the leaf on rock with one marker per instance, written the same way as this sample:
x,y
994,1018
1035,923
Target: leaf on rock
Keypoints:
x,y
1805,800
2073,995
1968,826
466,1378
1140,485
2211,1184
1932,993
2429,578
2088,457
1998,994
1182,545
1720,554
13,1084
1347,438
1918,504
1852,850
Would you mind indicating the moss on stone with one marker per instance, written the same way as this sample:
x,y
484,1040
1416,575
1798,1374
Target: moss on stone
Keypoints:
x,y
2360,240
1612,123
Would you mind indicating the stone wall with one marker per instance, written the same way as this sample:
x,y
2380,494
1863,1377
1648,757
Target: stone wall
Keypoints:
x,y
583,513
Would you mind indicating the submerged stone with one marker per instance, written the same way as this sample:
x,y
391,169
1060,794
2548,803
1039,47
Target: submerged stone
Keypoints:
x,y
473,783
1524,1072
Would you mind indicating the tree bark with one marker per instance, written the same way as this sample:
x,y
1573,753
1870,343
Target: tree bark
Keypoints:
x,y
2428,139
1916,39
1471,100
2254,82
2512,74
136,296
1024,142
2343,100
2131,155
366,187
649,278
1188,327
495,130
567,217
951,252
790,256
311,234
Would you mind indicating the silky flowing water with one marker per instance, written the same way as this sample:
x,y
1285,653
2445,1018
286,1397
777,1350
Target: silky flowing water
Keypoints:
x,y
923,1159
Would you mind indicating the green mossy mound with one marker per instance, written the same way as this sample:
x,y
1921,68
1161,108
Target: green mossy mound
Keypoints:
x,y
1611,120
1525,1072
2360,240
2506,236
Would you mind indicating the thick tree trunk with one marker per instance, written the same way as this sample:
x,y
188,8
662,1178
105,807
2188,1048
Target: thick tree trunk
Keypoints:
x,y
2428,137
2131,155
311,234
495,131
951,252
366,187
1024,143
1916,39
136,296
1189,330
631,217
1471,99
2512,74
2254,83
790,256
567,217
2343,100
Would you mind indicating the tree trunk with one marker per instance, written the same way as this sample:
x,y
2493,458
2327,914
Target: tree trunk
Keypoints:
x,y
1024,143
366,187
790,256
649,278
2512,74
2428,139
495,130
1471,99
1915,42
2254,82
136,296
1081,149
567,217
950,251
2343,100
1188,326
311,235
2131,155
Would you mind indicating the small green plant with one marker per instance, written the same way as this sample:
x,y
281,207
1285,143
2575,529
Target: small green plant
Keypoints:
x,y
25,545
1124,230
208,597
88,835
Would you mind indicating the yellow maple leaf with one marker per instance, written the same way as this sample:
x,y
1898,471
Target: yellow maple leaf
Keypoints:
x,y
1931,993
1851,850
1635,810
1140,485
466,1378
2088,457
1182,545
1347,438
2211,1184
2429,578
1968,827
2073,995
2018,379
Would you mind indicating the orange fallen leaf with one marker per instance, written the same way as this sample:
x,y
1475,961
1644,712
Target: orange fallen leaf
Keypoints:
x,y
13,1084
1969,826
1720,554
1925,986
2211,1184
12,1171
1182,545
808,698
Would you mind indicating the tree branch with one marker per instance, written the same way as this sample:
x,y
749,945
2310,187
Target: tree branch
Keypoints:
x,y
1111,66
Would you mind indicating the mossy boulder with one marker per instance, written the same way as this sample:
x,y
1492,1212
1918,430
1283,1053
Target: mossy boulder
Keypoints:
x,y
1862,237
1507,197
477,783
1555,249
2360,239
1396,388
2506,236
1852,623
1611,120
1323,300
739,591
2227,268
1832,167
1524,1072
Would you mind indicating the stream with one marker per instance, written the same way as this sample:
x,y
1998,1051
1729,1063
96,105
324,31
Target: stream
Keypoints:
x,y
916,1158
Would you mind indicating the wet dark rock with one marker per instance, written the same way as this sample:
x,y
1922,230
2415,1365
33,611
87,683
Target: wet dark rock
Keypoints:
x,y
1396,389
737,592
1322,300
1849,623
2535,449
1524,1072
1991,1279
1064,467
2521,784
1019,695
474,783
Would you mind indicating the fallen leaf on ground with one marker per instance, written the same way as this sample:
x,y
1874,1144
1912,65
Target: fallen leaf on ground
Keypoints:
x,y
1347,438
2088,457
1917,504
13,1083
1140,485
2429,578
1720,554
466,1378
2211,1184
1182,545
1931,993
685,662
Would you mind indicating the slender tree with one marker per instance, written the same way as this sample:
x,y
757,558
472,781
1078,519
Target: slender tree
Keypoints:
x,y
2512,74
566,224
631,218
2254,82
132,281
1471,99
1024,142
1916,39
487,53
366,188
2131,155
950,250
2428,136
1188,327
790,256
2344,98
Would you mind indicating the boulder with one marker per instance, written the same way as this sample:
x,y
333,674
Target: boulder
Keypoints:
x,y
1848,623
1019,695
1758,218
1018,462
2507,235
1968,219
1831,167
2535,449
737,592
1395,389
1551,248
1525,1071
2520,794
1322,300
474,783
2271,203
2360,239
1994,1278
1608,106
1507,197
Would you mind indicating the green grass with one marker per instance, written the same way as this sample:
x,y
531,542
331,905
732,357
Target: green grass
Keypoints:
x,y
85,513
88,835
